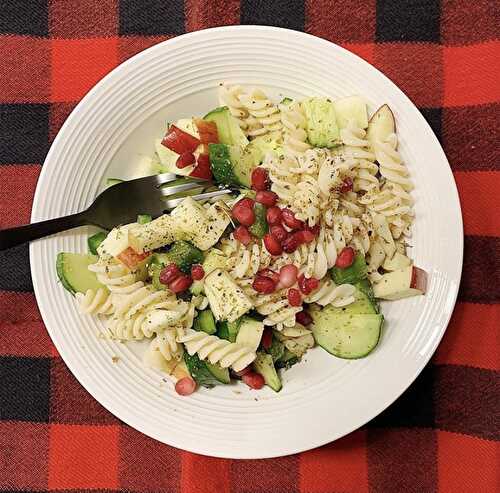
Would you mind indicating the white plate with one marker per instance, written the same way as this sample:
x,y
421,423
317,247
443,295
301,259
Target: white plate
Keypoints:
x,y
323,398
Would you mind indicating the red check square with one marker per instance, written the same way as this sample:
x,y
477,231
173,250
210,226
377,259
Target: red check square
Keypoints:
x,y
78,64
83,457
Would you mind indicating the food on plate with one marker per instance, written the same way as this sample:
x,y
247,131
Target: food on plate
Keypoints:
x,y
312,234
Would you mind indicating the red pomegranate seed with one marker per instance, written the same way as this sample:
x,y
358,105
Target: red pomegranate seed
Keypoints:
x,y
345,258
303,318
288,275
264,284
273,215
290,244
185,386
314,229
312,284
260,179
269,273
169,273
302,279
247,202
294,297
253,380
346,185
267,198
279,232
272,244
185,159
290,220
242,234
243,213
267,339
245,370
304,236
197,272
180,284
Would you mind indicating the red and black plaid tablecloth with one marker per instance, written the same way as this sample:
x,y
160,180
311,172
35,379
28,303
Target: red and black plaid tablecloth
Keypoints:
x,y
441,435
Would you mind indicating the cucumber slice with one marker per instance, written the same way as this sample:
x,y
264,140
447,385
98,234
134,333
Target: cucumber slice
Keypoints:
x,y
201,372
205,322
144,218
228,330
264,365
260,227
362,306
346,336
228,129
94,241
356,272
72,270
221,374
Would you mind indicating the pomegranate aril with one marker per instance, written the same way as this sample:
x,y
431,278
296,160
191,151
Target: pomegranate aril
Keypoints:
x,y
302,279
290,244
314,229
267,339
279,232
247,202
290,220
345,258
269,273
180,284
312,284
264,284
185,386
272,244
306,236
245,370
294,297
260,179
185,159
242,234
197,272
303,318
273,215
253,380
169,273
243,213
267,198
288,275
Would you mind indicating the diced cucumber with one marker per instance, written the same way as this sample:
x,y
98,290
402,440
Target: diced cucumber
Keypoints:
x,y
222,167
346,336
264,365
205,322
350,275
196,288
250,333
277,349
228,330
287,360
184,255
113,181
200,371
260,227
322,128
228,128
351,108
144,218
94,241
154,272
72,270
221,374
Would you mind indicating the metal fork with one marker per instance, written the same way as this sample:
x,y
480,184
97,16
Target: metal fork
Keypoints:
x,y
119,204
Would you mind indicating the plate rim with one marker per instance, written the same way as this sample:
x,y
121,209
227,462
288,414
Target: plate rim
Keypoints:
x,y
108,405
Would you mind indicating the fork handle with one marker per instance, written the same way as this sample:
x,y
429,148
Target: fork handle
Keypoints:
x,y
15,236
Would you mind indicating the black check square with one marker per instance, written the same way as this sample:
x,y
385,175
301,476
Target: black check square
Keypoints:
x,y
151,17
24,133
24,389
408,20
434,119
279,13
414,409
15,269
24,17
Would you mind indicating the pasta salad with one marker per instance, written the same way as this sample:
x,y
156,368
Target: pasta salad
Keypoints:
x,y
312,233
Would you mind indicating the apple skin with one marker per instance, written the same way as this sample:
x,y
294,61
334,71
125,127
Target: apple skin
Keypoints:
x,y
401,283
381,125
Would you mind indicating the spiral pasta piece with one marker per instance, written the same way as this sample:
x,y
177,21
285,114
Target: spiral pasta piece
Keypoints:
x,y
246,260
216,350
294,125
95,302
283,180
118,278
329,293
229,96
298,340
164,353
306,200
264,115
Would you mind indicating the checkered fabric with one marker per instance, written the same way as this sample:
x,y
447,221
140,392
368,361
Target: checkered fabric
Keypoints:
x,y
441,435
